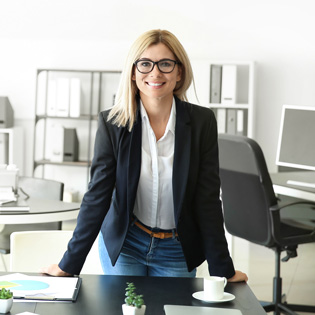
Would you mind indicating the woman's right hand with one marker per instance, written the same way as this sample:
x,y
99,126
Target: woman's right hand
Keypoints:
x,y
54,270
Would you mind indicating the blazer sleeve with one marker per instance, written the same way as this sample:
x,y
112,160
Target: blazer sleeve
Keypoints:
x,y
96,200
208,203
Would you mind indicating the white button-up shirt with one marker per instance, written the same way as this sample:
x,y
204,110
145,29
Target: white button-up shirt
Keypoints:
x,y
154,201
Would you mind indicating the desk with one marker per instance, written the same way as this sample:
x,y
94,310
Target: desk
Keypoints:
x,y
42,211
104,295
281,186
290,193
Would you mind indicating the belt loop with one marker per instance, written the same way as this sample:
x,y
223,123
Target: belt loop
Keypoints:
x,y
133,220
174,234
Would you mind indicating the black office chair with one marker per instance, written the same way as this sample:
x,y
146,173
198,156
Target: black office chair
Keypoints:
x,y
252,211
37,188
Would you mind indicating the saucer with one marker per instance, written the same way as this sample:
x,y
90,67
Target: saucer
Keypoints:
x,y
226,297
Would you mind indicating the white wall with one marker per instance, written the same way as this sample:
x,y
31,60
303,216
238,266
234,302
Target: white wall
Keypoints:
x,y
96,34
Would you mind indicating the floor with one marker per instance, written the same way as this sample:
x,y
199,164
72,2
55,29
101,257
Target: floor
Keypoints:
x,y
258,262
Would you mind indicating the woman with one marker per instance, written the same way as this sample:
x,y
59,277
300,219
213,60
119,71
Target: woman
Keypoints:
x,y
154,190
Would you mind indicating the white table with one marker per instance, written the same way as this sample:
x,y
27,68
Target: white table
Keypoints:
x,y
281,187
42,211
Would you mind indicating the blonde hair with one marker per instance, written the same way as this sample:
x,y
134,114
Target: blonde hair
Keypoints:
x,y
124,111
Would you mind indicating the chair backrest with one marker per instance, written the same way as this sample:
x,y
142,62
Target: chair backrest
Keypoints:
x,y
41,188
32,250
247,191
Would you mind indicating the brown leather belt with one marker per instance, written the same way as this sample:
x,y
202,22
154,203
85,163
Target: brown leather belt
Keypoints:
x,y
160,235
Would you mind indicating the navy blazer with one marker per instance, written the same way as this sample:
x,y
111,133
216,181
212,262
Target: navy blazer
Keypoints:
x,y
109,202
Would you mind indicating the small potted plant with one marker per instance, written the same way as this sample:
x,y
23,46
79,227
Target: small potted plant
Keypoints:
x,y
6,301
134,304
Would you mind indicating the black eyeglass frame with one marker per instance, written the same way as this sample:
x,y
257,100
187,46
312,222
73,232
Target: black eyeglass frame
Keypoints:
x,y
157,64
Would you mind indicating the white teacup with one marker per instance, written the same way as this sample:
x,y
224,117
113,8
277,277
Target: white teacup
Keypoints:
x,y
213,287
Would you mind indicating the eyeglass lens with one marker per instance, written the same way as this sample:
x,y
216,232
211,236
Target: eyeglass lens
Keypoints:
x,y
165,65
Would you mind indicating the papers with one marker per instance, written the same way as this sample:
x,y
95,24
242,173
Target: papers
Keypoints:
x,y
6,195
41,287
18,205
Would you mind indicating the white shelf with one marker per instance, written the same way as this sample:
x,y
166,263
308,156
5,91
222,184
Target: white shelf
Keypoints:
x,y
69,99
244,94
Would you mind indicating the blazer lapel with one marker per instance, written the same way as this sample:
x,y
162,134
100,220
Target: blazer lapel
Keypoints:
x,y
134,165
181,156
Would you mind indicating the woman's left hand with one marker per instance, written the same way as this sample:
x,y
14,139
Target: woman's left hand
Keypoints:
x,y
238,277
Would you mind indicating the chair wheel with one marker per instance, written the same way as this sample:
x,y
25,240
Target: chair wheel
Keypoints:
x,y
284,298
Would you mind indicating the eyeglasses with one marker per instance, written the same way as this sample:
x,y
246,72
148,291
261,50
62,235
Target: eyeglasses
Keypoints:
x,y
147,65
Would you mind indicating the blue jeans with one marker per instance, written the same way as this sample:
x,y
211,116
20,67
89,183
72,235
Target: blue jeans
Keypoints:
x,y
143,255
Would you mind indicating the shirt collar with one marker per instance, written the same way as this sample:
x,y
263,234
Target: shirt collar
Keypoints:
x,y
171,121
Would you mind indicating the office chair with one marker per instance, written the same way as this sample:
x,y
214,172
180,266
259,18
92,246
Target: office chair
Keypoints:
x,y
252,212
37,188
32,250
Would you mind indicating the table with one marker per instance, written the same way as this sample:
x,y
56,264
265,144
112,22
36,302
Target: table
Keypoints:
x,y
299,216
42,211
281,186
104,295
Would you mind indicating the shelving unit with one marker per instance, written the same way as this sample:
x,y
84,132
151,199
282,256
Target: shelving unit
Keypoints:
x,y
235,113
69,99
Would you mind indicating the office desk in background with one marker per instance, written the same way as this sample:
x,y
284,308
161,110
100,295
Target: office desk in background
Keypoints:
x,y
42,211
281,186
104,295
290,193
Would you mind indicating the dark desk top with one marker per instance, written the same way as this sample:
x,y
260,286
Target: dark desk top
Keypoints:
x,y
101,295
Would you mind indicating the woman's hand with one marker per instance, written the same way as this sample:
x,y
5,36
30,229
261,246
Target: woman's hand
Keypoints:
x,y
238,277
55,271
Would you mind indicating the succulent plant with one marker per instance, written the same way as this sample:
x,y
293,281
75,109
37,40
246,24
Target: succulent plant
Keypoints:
x,y
132,298
5,294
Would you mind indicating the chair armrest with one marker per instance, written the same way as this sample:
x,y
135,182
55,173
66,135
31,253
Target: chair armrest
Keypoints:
x,y
276,222
278,207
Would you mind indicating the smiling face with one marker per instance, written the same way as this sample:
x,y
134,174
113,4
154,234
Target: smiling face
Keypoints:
x,y
156,85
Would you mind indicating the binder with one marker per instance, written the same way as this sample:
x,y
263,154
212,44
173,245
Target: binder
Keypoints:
x,y
70,145
63,94
231,121
52,98
221,120
228,90
215,83
240,122
75,97
56,143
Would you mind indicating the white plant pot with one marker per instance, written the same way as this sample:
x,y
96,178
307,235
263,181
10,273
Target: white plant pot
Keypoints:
x,y
5,305
132,310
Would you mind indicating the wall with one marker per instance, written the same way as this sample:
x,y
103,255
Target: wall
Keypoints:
x,y
96,34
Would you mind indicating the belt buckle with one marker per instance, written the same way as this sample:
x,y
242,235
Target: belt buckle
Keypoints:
x,y
161,235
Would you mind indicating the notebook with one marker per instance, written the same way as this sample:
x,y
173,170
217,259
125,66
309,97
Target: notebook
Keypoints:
x,y
198,310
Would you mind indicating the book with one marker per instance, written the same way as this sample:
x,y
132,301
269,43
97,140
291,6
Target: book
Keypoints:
x,y
18,205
